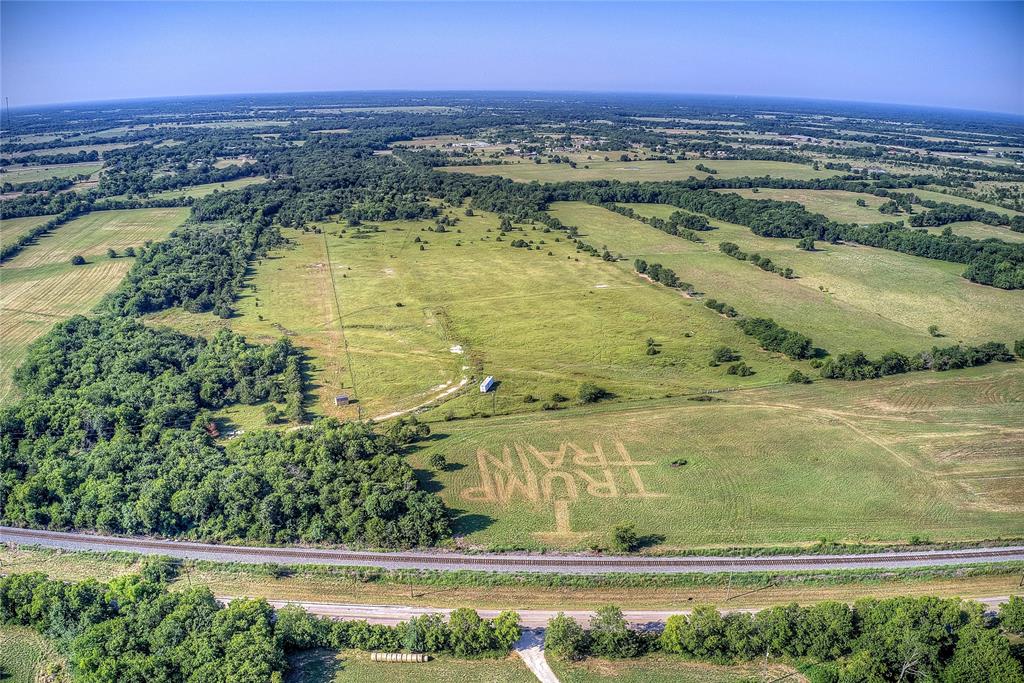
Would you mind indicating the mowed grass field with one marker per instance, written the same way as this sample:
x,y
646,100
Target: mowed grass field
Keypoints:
x,y
353,666
525,170
845,297
926,454
381,317
27,657
12,228
39,287
32,173
665,669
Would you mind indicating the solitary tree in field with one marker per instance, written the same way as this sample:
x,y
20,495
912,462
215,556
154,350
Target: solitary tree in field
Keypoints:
x,y
78,260
438,462
111,253
933,330
624,538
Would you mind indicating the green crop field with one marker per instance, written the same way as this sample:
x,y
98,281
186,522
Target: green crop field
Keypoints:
x,y
845,297
327,666
39,287
27,657
541,324
928,454
527,171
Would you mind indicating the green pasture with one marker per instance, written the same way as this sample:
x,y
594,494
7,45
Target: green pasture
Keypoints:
x,y
845,297
927,454
381,318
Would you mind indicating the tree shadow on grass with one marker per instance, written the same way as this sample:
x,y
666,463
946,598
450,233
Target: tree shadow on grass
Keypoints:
x,y
465,523
649,541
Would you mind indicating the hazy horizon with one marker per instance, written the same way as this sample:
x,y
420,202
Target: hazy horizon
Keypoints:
x,y
945,55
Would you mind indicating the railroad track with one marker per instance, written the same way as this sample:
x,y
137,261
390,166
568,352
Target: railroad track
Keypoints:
x,y
536,563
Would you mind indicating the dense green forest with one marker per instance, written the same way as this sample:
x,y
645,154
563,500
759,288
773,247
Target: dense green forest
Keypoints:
x,y
919,639
134,630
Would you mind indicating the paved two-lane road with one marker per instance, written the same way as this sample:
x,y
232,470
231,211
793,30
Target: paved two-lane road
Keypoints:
x,y
508,562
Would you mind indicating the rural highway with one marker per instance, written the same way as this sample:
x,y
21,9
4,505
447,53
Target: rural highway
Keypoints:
x,y
507,562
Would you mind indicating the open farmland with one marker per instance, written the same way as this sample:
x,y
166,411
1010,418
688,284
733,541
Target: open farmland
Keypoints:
x,y
12,228
469,293
931,455
40,287
28,174
626,171
845,297
91,235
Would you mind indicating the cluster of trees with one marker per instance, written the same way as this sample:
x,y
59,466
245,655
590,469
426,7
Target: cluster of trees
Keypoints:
x,y
661,274
721,307
197,268
773,337
135,629
764,263
54,184
941,213
906,639
112,434
856,366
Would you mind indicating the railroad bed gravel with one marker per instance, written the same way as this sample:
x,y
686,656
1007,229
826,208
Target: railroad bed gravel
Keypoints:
x,y
511,562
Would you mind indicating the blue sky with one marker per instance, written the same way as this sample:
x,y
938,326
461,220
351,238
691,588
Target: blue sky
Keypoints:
x,y
966,55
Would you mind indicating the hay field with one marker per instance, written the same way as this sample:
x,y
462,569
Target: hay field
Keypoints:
x,y
39,287
12,228
92,234
626,171
927,454
869,299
